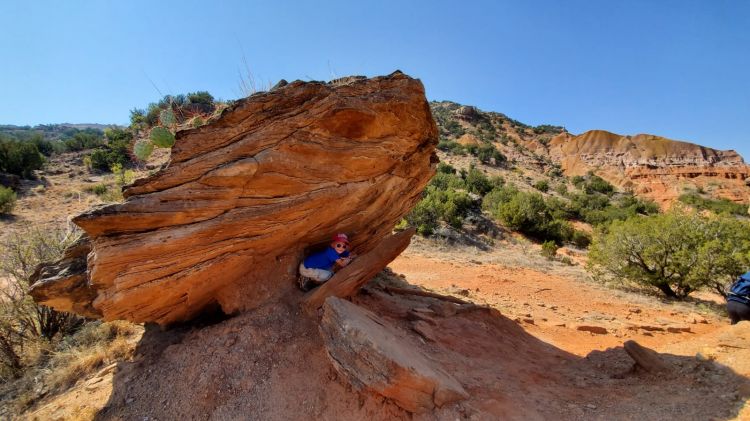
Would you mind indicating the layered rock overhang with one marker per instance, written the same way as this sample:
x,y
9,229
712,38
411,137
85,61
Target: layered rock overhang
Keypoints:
x,y
244,197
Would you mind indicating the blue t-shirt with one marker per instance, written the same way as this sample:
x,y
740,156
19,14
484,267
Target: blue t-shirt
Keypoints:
x,y
324,259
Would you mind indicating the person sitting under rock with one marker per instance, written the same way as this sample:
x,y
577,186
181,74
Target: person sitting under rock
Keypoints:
x,y
738,299
317,268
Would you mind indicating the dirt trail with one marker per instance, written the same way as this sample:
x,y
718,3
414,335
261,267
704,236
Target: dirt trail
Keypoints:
x,y
551,306
552,301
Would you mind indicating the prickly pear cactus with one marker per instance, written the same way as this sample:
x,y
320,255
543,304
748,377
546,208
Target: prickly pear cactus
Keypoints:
x,y
167,118
162,137
143,149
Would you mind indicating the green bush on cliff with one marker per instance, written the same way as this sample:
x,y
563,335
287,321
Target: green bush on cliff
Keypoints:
x,y
698,202
488,154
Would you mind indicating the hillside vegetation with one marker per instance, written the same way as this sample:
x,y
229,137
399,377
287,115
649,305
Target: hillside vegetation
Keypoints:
x,y
488,170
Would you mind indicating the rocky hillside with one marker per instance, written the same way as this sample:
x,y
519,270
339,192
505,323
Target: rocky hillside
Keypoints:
x,y
650,166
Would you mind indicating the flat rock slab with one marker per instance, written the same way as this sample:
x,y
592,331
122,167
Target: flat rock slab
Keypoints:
x,y
598,330
370,354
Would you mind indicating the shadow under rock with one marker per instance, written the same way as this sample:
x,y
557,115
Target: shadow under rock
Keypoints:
x,y
271,364
504,367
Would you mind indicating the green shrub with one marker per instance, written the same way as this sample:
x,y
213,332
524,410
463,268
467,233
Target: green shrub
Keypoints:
x,y
549,250
581,239
488,154
424,218
527,213
445,181
542,186
99,189
7,200
137,118
561,209
449,206
451,147
555,172
477,182
445,168
19,157
677,252
455,129
83,140
497,181
45,147
115,151
596,184
596,208
497,196
561,189
578,181
116,134
714,205
200,97
637,205
523,212
100,160
549,129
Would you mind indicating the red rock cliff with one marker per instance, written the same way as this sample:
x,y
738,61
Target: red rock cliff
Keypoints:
x,y
652,166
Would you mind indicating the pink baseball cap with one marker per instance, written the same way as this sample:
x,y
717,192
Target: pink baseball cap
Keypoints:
x,y
340,237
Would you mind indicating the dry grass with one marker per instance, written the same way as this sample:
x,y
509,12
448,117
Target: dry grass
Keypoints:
x,y
82,413
70,360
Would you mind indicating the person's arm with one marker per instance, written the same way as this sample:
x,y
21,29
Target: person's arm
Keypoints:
x,y
343,261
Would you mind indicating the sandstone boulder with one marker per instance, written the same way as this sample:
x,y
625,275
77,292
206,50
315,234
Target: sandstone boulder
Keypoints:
x,y
244,197
369,353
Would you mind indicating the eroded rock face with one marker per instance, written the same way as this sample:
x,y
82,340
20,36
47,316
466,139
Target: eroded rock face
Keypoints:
x,y
652,166
373,357
245,197
64,285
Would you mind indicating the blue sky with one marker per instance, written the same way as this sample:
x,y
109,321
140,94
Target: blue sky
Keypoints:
x,y
679,69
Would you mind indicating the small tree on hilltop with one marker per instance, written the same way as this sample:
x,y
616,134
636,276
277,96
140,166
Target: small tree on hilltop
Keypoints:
x,y
677,252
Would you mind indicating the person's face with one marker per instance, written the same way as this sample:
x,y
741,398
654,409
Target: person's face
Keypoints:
x,y
339,246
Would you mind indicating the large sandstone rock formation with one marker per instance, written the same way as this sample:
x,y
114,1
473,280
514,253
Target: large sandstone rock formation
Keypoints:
x,y
243,198
652,166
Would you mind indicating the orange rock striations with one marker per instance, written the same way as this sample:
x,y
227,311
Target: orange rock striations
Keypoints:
x,y
652,166
246,196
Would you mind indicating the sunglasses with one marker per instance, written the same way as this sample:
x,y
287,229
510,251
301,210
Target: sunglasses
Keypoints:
x,y
341,246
